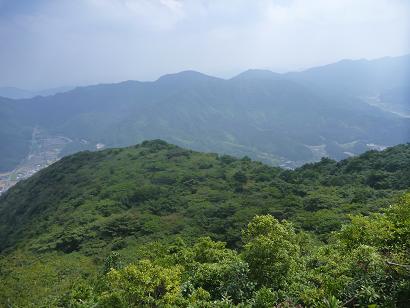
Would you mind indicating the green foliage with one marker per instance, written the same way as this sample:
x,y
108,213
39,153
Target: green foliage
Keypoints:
x,y
265,298
141,285
272,252
157,190
155,225
369,260
112,262
29,280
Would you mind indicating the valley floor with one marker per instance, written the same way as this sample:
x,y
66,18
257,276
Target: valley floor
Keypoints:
x,y
44,150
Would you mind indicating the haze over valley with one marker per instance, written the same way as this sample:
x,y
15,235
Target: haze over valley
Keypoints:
x,y
280,119
205,153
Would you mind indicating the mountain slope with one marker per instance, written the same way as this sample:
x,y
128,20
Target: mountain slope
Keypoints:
x,y
89,201
278,119
359,77
111,228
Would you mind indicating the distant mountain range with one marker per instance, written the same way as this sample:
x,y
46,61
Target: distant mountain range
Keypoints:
x,y
337,110
17,93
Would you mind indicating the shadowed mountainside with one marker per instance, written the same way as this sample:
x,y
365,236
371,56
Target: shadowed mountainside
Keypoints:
x,y
280,119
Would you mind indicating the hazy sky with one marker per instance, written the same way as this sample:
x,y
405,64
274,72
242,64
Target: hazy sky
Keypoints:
x,y
49,43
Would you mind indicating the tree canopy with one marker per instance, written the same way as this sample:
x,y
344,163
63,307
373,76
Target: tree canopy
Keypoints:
x,y
158,226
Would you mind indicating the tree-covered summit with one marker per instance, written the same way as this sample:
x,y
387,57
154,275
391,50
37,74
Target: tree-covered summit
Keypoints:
x,y
96,227
157,190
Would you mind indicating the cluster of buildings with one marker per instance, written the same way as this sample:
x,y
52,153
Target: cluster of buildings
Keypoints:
x,y
44,151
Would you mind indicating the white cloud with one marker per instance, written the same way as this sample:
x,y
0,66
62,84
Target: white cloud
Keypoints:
x,y
52,43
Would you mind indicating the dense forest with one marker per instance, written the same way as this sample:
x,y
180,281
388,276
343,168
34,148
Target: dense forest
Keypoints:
x,y
156,225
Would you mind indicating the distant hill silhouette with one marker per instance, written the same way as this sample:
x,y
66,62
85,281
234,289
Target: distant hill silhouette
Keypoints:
x,y
281,119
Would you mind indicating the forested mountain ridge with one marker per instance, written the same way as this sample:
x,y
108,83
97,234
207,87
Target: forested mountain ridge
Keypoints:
x,y
158,184
280,119
151,204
